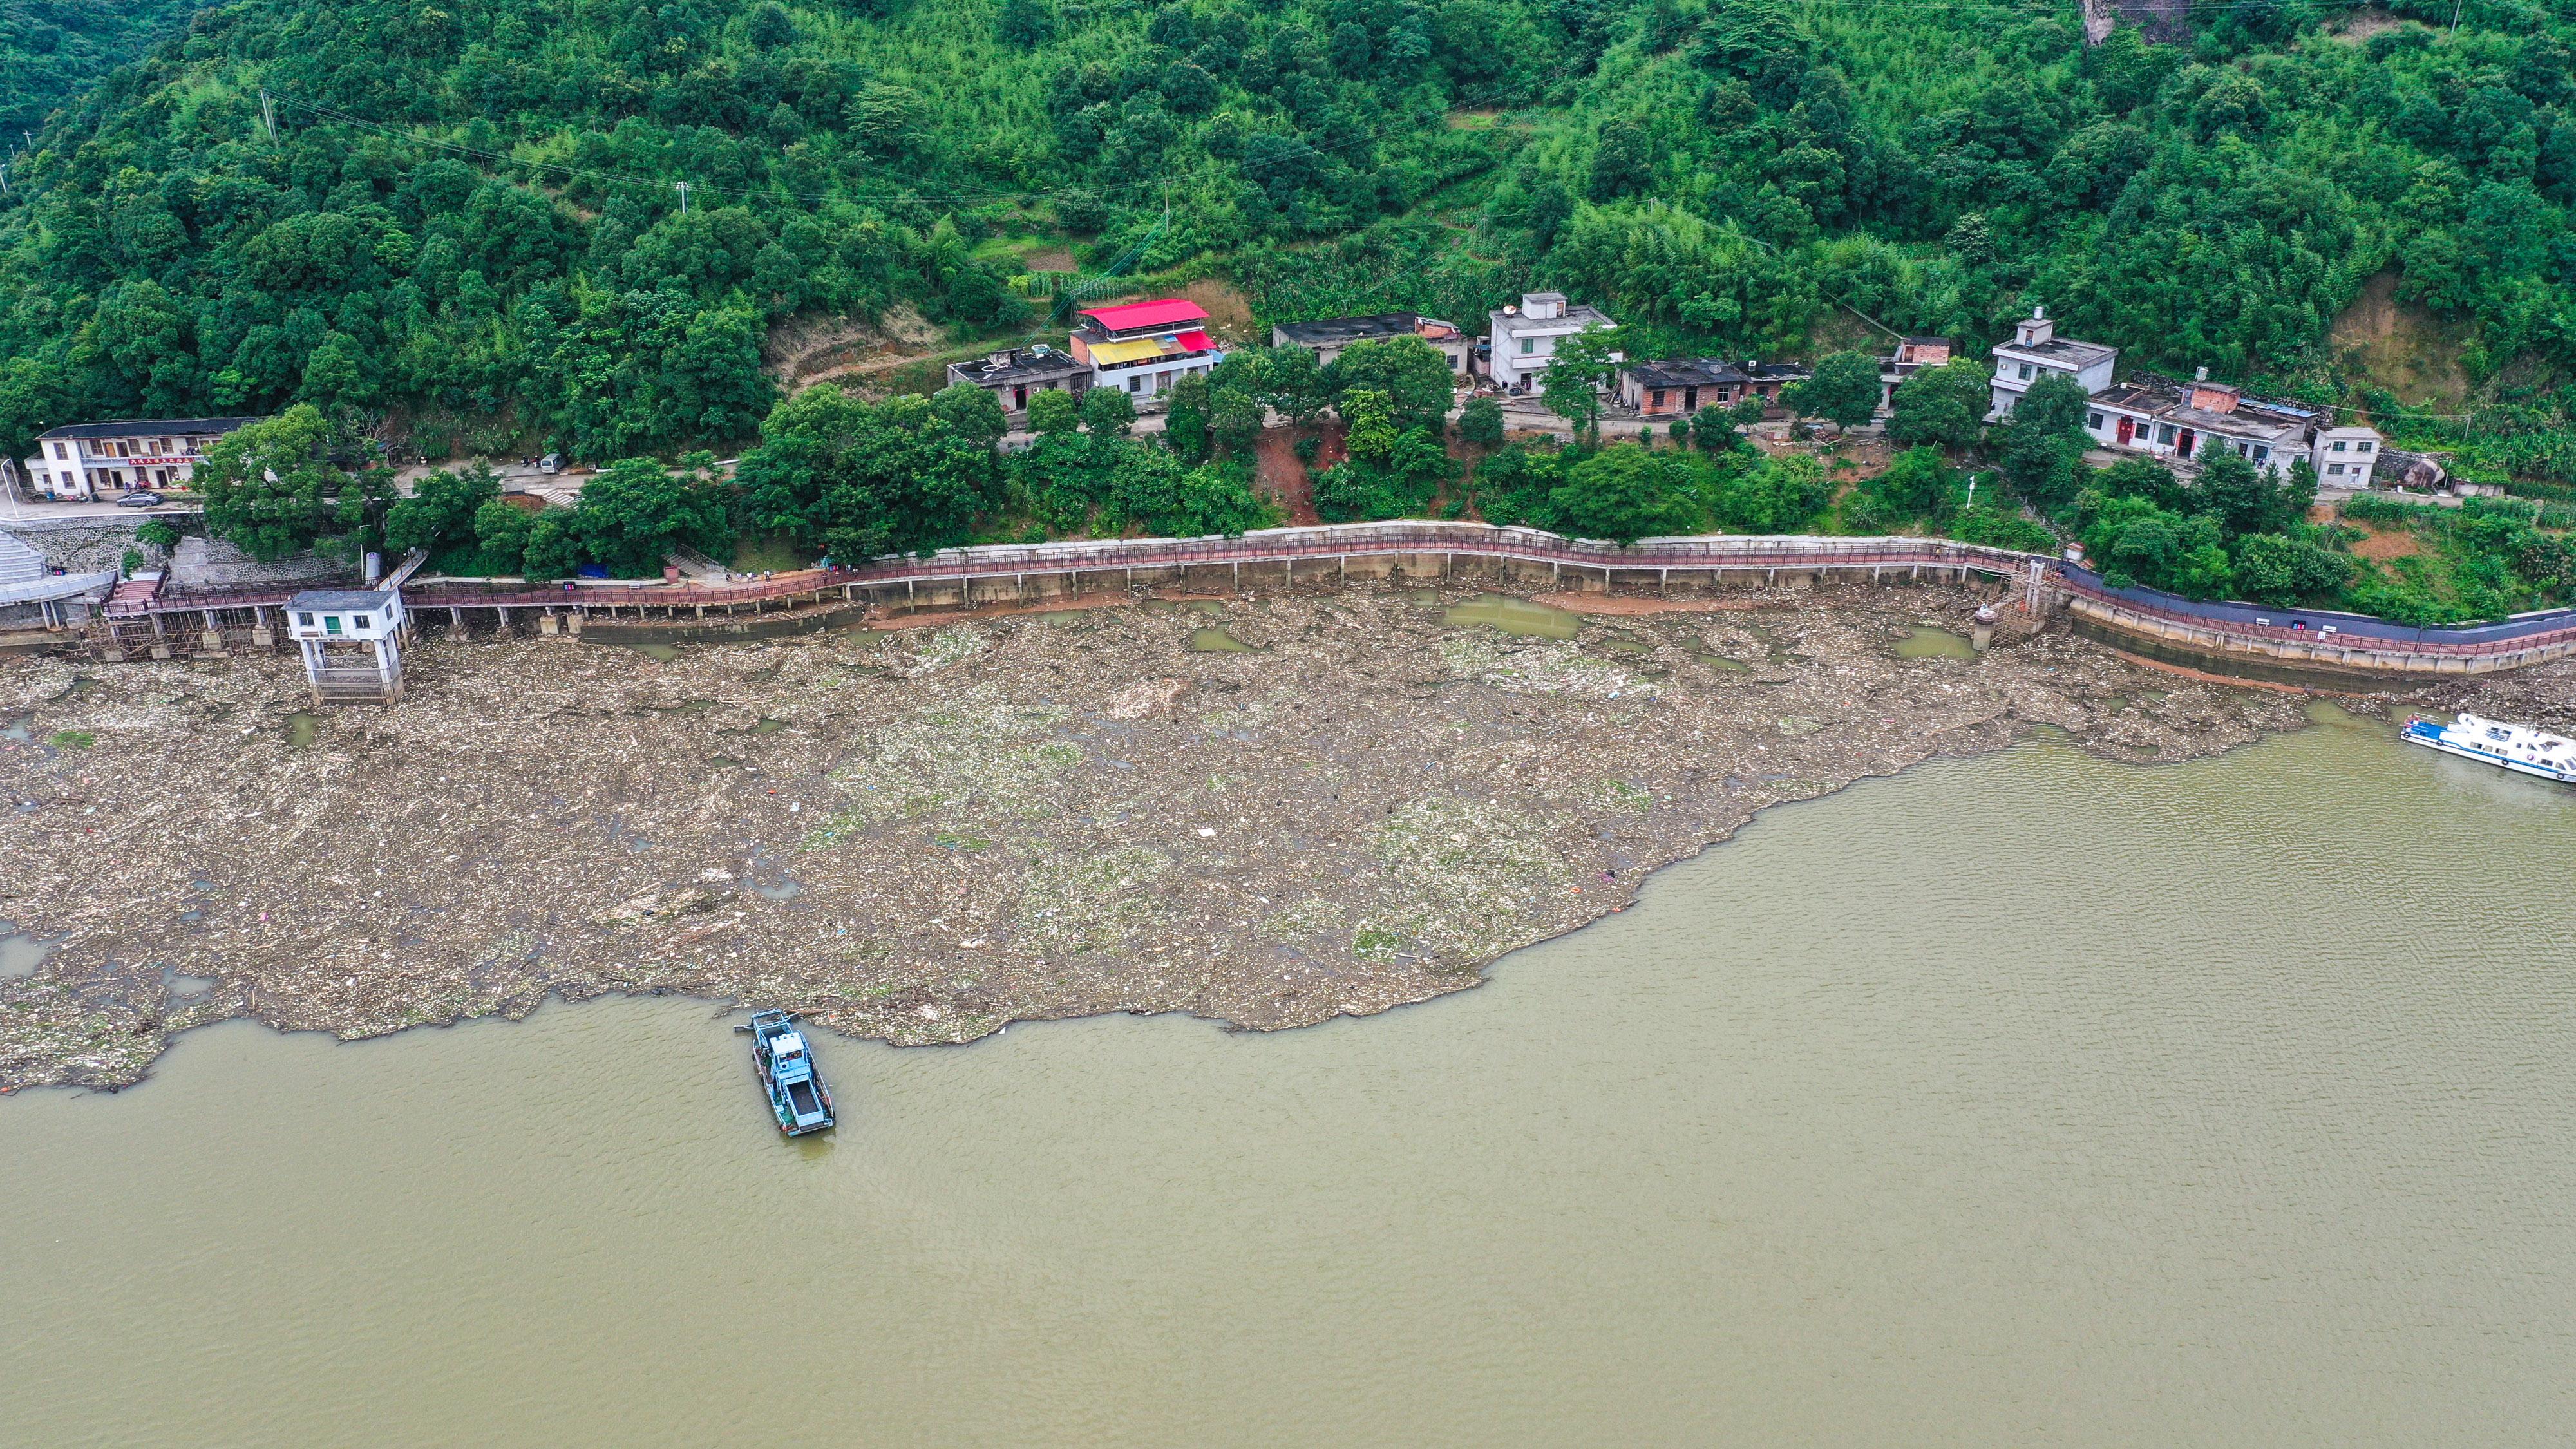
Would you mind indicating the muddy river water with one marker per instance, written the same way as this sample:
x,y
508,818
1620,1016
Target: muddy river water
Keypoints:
x,y
2020,1099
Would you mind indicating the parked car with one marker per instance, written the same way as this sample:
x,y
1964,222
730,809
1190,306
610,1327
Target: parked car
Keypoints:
x,y
550,463
139,498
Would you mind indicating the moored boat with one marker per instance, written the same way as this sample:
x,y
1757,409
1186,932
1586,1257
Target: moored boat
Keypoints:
x,y
2506,746
785,1061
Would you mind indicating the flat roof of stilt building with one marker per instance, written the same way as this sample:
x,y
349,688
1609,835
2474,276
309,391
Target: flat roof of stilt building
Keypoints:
x,y
342,599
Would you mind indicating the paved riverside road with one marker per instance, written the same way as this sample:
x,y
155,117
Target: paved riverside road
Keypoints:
x,y
2364,625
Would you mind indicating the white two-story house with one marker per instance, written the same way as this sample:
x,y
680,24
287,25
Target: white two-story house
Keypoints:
x,y
1143,348
2036,351
1523,339
85,459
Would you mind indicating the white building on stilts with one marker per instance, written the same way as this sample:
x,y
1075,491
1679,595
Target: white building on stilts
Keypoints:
x,y
352,643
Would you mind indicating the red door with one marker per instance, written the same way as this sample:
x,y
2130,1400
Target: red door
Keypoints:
x,y
2182,445
1020,398
2128,431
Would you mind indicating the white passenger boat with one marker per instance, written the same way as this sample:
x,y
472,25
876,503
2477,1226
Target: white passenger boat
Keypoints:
x,y
2511,747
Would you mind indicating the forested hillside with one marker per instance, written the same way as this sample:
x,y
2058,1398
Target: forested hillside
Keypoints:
x,y
467,211
53,50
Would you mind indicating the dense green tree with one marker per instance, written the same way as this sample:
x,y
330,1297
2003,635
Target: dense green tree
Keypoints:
x,y
2274,569
1780,495
1409,373
971,412
1185,421
440,514
1624,493
1054,411
1843,390
269,487
1916,486
1480,422
2044,440
1944,406
858,479
501,534
636,511
1578,375
1108,411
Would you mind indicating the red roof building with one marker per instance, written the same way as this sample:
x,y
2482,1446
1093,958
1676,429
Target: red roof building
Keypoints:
x,y
1160,316
1144,348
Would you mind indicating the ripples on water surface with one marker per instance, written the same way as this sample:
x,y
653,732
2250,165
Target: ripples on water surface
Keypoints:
x,y
2026,1099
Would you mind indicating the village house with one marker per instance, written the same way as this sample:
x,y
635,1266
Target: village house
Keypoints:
x,y
1144,348
1522,340
2185,421
1767,380
2036,351
1912,355
1681,388
1017,373
2167,419
2348,457
2180,421
77,461
1327,338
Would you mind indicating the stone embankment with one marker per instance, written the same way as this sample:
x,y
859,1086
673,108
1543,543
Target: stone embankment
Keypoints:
x,y
1262,810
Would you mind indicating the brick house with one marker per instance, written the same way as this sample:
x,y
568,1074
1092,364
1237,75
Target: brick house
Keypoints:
x,y
1679,389
1912,355
80,460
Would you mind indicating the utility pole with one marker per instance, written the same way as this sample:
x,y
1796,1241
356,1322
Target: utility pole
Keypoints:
x,y
684,196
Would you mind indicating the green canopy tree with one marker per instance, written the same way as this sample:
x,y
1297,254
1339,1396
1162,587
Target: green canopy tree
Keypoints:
x,y
440,513
1408,372
1054,411
1577,376
637,511
1108,411
1624,493
971,412
1944,406
2044,441
857,479
501,533
268,488
1843,390
1480,422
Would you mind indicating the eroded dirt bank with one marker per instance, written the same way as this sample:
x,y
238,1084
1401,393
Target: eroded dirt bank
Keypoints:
x,y
923,835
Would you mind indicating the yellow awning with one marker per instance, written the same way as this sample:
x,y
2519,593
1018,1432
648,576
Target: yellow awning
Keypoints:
x,y
1132,350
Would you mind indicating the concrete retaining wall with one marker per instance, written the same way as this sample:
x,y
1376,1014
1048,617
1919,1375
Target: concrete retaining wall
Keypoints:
x,y
2290,661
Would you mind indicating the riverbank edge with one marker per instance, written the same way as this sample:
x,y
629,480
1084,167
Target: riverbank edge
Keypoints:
x,y
2023,732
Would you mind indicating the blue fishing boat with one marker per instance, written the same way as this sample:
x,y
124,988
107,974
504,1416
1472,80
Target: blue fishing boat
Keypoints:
x,y
785,1062
2493,742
